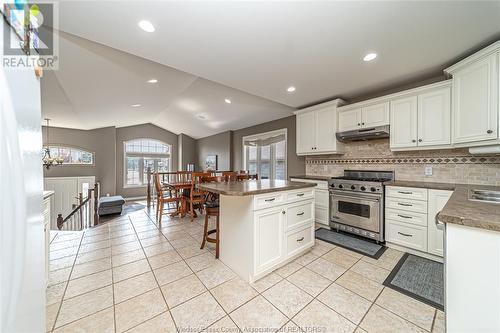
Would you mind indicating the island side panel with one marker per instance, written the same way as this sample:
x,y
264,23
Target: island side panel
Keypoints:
x,y
237,234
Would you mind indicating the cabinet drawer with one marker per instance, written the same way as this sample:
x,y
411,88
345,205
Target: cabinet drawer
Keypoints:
x,y
406,217
321,197
268,200
412,193
412,236
321,215
407,205
298,215
297,241
305,193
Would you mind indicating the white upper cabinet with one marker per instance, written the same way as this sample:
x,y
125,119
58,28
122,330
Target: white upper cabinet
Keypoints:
x,y
434,118
475,97
364,117
403,122
316,128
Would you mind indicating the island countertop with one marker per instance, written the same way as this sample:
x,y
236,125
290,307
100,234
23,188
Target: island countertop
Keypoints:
x,y
252,187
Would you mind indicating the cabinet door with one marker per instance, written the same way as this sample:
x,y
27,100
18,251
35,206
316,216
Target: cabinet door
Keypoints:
x,y
434,118
269,234
437,200
375,115
326,126
475,101
403,116
306,136
349,120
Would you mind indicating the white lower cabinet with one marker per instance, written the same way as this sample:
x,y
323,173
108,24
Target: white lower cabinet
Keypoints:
x,y
435,237
269,229
321,200
46,229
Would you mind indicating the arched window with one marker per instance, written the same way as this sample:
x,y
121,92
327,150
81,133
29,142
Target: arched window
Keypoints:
x,y
139,154
72,156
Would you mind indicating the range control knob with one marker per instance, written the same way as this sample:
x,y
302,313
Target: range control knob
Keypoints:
x,y
353,187
341,186
333,185
373,189
362,188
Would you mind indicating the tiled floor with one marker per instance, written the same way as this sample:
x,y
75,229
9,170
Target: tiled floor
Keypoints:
x,y
130,275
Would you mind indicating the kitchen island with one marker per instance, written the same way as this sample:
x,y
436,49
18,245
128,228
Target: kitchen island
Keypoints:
x,y
264,224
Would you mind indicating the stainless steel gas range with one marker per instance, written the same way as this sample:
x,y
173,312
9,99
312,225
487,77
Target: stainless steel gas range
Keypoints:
x,y
357,202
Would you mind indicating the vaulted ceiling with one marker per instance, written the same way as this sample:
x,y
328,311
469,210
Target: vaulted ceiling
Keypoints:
x,y
249,52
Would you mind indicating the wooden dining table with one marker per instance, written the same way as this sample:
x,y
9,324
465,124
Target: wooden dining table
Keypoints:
x,y
178,187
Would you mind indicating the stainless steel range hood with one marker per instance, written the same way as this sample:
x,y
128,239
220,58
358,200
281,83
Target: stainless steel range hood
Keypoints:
x,y
377,132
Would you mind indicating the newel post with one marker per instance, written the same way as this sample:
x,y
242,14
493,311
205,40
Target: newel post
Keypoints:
x,y
149,187
96,204
60,221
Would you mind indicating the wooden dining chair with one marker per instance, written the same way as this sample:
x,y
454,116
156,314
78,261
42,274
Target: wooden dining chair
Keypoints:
x,y
242,177
254,177
163,198
196,197
229,176
211,206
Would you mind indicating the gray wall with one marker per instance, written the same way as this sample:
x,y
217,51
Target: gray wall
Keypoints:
x,y
136,132
187,151
218,144
100,141
295,164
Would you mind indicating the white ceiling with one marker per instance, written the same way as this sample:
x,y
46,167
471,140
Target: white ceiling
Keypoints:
x,y
256,48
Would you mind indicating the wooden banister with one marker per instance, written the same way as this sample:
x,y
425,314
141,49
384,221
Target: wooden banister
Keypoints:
x,y
81,214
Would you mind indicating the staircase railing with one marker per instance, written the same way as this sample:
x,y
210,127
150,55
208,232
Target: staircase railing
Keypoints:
x,y
84,214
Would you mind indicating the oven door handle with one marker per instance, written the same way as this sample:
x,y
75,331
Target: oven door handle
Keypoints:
x,y
374,198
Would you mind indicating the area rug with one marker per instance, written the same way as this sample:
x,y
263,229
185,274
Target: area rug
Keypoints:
x,y
351,242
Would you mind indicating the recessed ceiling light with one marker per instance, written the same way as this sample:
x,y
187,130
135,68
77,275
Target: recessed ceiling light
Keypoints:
x,y
153,81
370,56
135,105
290,89
146,26
227,100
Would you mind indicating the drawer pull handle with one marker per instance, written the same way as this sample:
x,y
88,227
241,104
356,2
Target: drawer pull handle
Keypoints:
x,y
300,239
300,194
300,214
405,204
405,192
405,217
270,200
406,235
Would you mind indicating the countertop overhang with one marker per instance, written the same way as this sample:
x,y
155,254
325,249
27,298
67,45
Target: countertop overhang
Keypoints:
x,y
459,209
252,187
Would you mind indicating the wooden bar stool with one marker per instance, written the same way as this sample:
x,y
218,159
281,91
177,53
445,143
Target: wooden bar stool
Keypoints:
x,y
211,205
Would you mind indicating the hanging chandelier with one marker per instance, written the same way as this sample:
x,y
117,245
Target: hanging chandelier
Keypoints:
x,y
48,160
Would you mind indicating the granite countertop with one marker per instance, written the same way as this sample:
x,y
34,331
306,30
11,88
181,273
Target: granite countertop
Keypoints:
x,y
253,187
459,209
312,177
47,194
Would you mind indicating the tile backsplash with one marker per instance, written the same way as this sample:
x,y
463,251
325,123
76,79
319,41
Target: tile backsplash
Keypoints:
x,y
448,166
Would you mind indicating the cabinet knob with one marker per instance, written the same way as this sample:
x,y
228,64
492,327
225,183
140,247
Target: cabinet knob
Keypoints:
x,y
359,124
283,212
419,140
413,140
362,123
489,131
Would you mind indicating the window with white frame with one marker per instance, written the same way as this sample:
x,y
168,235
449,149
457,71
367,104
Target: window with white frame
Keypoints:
x,y
139,154
265,154
72,156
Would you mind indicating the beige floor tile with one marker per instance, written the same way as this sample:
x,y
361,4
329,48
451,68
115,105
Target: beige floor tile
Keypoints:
x,y
326,269
360,285
54,293
310,282
387,260
126,271
90,267
379,320
172,272
266,282
94,246
156,249
121,233
164,259
287,298
223,325
340,258
410,309
202,261
61,263
197,313
125,247
183,242
88,283
173,233
153,240
360,330
317,317
139,309
306,259
291,327
162,323
349,252
439,322
319,249
370,271
345,302
127,257
94,255
134,286
70,251
182,290
233,293
123,240
102,322
326,244
50,316
149,234
192,250
63,236
145,227
258,315
64,245
84,305
214,275
94,238
61,275
288,269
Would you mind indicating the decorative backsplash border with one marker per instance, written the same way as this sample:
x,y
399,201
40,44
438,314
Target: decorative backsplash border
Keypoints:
x,y
409,160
